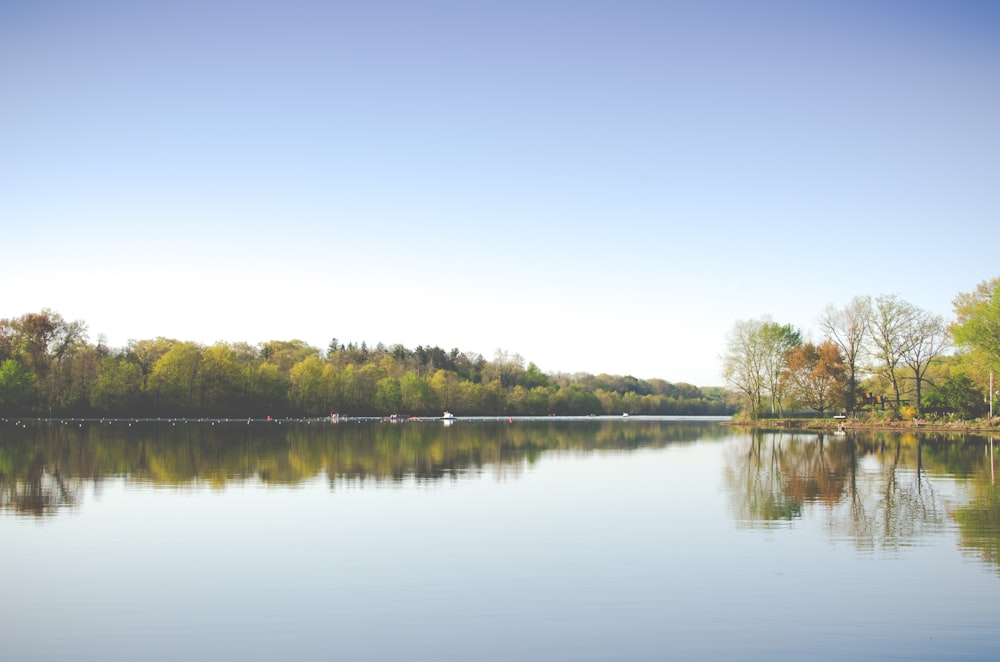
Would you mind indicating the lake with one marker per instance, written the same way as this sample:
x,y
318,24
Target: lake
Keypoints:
x,y
523,539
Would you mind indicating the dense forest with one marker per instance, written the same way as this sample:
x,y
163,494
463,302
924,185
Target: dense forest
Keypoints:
x,y
49,367
882,356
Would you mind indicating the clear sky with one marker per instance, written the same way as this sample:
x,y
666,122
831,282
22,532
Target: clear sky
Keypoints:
x,y
597,186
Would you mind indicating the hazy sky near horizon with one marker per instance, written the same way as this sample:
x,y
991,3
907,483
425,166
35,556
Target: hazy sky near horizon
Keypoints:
x,y
597,186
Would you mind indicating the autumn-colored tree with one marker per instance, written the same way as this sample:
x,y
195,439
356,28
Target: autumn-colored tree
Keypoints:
x,y
40,339
817,375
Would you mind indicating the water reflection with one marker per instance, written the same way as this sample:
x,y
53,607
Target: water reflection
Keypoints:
x,y
979,518
882,491
272,540
43,465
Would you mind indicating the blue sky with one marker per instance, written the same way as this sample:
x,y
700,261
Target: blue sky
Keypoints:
x,y
598,186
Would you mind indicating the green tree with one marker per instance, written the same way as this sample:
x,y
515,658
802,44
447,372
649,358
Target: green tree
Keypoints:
x,y
537,401
446,388
175,379
956,394
611,401
72,378
388,395
469,398
574,400
309,388
17,387
118,388
977,323
534,377
418,396
286,353
269,391
364,389
145,354
221,380
493,398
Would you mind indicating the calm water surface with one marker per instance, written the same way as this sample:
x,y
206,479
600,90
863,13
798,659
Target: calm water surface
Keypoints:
x,y
637,539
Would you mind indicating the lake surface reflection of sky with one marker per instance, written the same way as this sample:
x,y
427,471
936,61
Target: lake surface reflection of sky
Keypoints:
x,y
635,540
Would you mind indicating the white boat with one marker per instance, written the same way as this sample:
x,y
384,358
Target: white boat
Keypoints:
x,y
448,416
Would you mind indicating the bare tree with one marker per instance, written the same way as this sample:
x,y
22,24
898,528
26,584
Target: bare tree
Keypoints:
x,y
889,325
847,327
742,364
776,341
926,339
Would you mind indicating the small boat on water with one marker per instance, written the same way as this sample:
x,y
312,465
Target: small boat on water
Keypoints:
x,y
448,416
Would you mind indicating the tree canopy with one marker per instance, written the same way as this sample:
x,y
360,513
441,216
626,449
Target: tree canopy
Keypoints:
x,y
48,366
874,351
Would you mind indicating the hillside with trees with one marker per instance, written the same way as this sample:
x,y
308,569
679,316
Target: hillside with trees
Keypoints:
x,y
48,367
881,356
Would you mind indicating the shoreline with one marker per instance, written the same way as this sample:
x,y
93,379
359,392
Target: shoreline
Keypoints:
x,y
831,425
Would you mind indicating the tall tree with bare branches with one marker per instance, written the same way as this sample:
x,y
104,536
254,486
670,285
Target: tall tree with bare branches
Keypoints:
x,y
847,327
926,339
890,323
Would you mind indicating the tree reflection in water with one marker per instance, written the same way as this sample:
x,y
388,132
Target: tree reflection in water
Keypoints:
x,y
882,491
43,465
36,491
893,502
979,518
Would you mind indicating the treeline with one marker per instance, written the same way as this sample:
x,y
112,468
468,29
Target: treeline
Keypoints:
x,y
882,355
48,367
